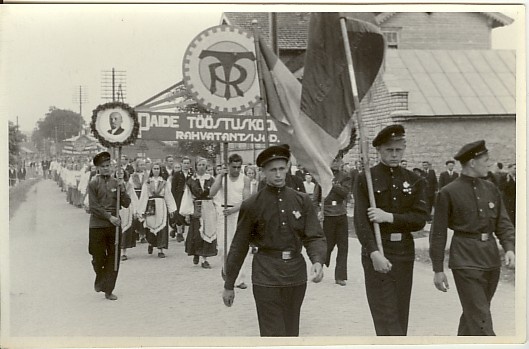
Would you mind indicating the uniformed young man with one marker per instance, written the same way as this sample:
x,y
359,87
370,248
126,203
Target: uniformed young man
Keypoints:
x,y
277,220
291,180
334,216
473,208
400,210
102,196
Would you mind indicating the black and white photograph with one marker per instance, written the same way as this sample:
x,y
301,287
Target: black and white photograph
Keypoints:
x,y
241,175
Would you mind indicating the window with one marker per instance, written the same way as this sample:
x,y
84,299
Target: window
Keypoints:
x,y
392,38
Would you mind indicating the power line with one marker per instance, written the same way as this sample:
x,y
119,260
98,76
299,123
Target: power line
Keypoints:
x,y
114,85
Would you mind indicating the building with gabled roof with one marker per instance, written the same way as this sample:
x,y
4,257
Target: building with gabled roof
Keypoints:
x,y
442,80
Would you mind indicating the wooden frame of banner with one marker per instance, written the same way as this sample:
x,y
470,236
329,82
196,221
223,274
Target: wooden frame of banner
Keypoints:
x,y
361,128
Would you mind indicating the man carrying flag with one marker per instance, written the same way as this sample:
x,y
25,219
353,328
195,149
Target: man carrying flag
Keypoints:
x,y
400,209
344,56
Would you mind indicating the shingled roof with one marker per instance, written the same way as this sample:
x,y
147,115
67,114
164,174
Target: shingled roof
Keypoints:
x,y
292,26
498,19
454,82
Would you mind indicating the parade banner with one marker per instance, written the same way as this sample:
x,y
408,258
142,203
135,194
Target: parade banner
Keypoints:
x,y
170,126
114,124
219,70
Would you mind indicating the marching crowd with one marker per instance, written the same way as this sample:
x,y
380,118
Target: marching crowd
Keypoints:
x,y
28,169
269,211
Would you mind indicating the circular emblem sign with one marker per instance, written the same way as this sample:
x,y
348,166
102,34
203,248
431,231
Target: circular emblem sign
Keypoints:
x,y
219,70
115,124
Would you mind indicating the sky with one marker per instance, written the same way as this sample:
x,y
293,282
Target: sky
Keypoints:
x,y
48,51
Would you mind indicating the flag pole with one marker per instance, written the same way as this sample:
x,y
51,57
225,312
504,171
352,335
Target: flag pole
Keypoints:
x,y
260,77
361,131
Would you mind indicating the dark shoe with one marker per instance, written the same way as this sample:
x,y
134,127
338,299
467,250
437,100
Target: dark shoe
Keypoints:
x,y
161,255
172,234
98,288
111,296
150,249
206,265
341,282
242,286
195,260
124,257
179,237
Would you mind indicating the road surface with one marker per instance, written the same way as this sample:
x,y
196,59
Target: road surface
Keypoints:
x,y
51,289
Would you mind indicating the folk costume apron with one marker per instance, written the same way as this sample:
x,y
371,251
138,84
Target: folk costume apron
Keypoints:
x,y
156,209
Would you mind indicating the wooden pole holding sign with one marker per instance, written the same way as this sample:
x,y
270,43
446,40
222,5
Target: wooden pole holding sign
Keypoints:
x,y
225,150
99,127
118,206
361,131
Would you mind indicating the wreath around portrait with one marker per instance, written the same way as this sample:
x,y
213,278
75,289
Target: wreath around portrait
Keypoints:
x,y
126,108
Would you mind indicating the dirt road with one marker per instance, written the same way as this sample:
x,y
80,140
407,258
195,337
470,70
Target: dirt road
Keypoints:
x,y
51,289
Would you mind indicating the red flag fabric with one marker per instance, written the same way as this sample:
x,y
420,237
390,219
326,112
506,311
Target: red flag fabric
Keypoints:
x,y
327,94
316,119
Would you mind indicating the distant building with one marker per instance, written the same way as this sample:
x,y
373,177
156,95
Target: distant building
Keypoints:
x,y
442,80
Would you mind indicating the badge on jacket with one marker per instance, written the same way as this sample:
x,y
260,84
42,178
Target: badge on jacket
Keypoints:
x,y
406,188
296,214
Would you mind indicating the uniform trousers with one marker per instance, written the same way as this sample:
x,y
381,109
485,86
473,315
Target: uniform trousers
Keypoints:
x,y
278,309
336,234
389,295
101,247
475,289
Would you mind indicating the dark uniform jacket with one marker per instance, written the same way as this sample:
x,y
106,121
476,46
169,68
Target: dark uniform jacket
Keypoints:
x,y
470,206
335,204
275,220
397,191
102,198
445,178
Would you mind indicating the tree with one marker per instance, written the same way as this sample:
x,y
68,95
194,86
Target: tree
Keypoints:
x,y
207,150
58,124
15,137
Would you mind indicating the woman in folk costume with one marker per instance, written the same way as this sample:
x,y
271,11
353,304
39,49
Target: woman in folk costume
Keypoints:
x,y
137,179
201,240
156,199
128,234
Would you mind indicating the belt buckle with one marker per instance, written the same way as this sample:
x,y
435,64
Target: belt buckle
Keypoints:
x,y
334,203
286,254
484,237
395,237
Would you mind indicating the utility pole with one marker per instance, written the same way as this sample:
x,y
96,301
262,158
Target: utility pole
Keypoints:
x,y
80,97
113,85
